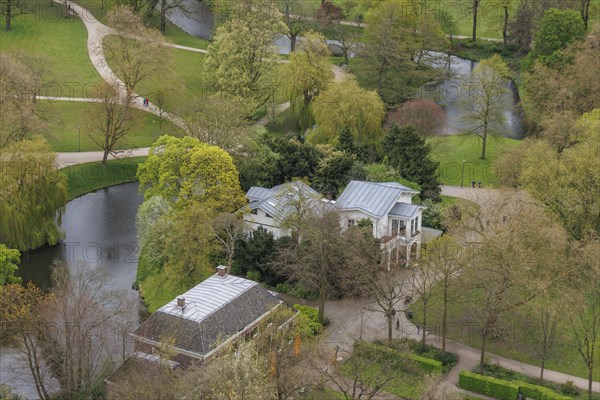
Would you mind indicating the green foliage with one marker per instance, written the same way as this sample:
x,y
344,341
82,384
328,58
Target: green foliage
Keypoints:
x,y
428,352
257,164
433,215
557,30
383,172
345,104
294,160
540,393
334,173
313,317
186,170
9,262
427,364
345,141
255,254
33,192
410,155
402,360
499,389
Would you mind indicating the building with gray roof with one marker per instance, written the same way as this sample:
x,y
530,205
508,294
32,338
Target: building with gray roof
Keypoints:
x,y
203,320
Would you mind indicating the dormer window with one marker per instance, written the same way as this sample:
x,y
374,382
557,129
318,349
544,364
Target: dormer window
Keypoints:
x,y
268,215
255,211
351,222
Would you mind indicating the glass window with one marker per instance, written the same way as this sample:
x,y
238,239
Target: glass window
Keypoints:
x,y
395,227
350,222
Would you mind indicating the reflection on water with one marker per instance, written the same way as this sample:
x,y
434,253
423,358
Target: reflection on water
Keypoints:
x,y
452,89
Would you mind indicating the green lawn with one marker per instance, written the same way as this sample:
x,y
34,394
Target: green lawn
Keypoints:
x,y
61,41
85,178
70,122
450,151
404,384
513,343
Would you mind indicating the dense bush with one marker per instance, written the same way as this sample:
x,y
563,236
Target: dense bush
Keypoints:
x,y
447,360
539,392
313,316
498,388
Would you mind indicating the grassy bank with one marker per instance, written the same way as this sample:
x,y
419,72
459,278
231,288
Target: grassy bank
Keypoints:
x,y
515,339
85,178
450,151
62,44
70,123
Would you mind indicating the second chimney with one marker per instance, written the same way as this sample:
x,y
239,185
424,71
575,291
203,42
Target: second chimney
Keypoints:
x,y
221,270
181,302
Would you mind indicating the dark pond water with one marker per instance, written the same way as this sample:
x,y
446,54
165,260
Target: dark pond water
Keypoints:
x,y
100,230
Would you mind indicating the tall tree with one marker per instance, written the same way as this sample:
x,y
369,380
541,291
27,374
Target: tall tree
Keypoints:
x,y
585,12
486,87
135,52
242,56
80,321
422,280
186,170
111,121
10,9
220,120
447,259
33,194
228,228
295,23
557,30
335,171
390,288
410,155
19,116
519,253
307,74
347,104
585,316
328,260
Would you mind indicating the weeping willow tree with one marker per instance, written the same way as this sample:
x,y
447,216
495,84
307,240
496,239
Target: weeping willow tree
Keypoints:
x,y
307,73
32,195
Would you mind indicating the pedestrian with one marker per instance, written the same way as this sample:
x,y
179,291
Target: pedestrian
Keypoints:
x,y
147,102
397,323
479,185
418,329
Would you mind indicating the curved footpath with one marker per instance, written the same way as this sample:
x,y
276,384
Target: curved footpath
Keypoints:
x,y
350,320
96,33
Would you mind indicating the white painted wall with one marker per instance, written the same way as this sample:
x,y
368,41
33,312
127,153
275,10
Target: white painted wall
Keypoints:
x,y
253,221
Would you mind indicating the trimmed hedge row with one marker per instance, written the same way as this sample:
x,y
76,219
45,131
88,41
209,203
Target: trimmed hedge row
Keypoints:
x,y
540,393
497,388
375,351
505,390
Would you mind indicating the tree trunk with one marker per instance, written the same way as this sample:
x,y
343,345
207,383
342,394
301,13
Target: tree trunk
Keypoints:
x,y
293,43
390,323
585,12
346,57
321,315
483,340
590,380
163,16
424,327
475,6
445,318
505,27
484,141
8,14
542,368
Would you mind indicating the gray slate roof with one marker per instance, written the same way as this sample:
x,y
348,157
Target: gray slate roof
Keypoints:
x,y
215,310
376,199
405,210
278,200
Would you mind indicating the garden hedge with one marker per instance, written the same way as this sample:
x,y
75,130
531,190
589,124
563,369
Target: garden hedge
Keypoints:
x,y
497,388
539,392
374,351
506,390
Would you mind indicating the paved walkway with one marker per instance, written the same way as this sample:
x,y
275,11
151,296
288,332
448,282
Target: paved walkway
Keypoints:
x,y
352,320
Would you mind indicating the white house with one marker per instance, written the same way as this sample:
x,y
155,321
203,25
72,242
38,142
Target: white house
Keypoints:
x,y
386,206
389,209
270,208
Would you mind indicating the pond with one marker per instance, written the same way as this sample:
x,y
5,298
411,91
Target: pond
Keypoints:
x,y
100,230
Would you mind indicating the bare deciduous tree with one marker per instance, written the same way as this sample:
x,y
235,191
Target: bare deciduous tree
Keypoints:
x,y
390,289
80,319
227,229
111,120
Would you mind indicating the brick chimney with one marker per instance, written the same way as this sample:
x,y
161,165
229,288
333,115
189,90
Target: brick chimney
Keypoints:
x,y
221,270
181,302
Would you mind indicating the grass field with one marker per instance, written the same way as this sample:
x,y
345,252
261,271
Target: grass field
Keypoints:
x,y
450,151
85,178
514,342
69,125
60,41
